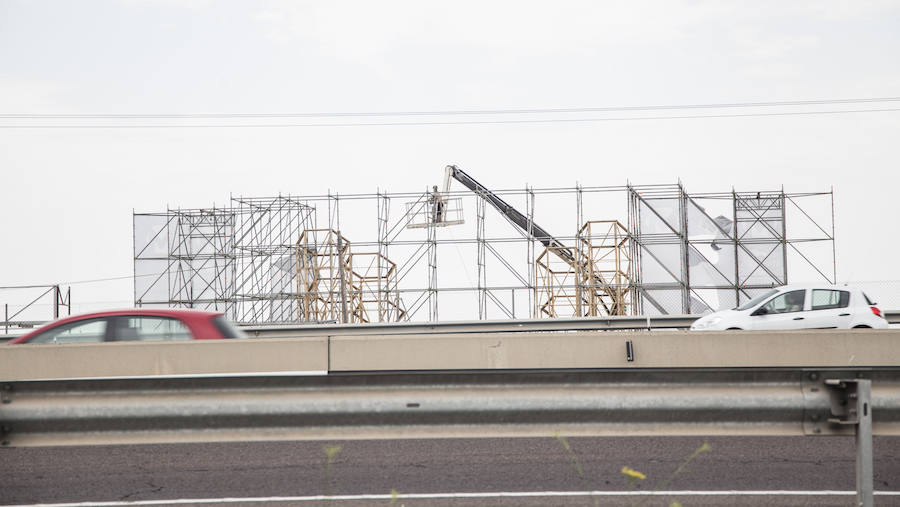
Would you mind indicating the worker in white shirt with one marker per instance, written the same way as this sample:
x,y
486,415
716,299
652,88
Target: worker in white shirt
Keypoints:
x,y
438,203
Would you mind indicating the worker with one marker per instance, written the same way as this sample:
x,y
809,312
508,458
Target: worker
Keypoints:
x,y
438,203
794,301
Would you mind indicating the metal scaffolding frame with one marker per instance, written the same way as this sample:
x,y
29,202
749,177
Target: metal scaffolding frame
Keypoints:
x,y
670,259
238,259
693,260
39,297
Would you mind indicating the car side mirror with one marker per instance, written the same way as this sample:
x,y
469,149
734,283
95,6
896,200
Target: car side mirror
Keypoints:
x,y
760,311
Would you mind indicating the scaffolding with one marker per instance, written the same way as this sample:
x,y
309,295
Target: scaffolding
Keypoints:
x,y
704,252
639,249
605,281
237,259
597,283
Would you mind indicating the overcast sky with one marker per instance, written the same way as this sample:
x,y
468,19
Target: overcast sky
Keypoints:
x,y
68,193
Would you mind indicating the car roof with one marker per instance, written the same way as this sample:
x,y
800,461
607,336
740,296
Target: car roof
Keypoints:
x,y
186,314
798,286
165,312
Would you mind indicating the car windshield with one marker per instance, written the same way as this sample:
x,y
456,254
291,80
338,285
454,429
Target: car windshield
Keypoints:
x,y
757,300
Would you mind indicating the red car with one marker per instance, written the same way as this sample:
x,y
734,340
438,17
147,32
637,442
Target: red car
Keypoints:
x,y
138,324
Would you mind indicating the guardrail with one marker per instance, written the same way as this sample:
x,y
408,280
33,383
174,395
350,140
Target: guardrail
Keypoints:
x,y
496,326
477,326
456,384
493,326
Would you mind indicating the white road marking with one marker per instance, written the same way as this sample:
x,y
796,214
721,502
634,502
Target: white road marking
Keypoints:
x,y
410,496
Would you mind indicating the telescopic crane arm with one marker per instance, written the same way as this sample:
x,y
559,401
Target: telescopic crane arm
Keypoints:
x,y
513,214
530,228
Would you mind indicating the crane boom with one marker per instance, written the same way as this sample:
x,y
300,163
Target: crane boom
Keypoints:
x,y
530,228
535,231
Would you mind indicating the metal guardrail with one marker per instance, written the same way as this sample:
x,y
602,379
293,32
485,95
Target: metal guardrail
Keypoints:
x,y
476,326
661,402
511,404
496,326
471,384
492,326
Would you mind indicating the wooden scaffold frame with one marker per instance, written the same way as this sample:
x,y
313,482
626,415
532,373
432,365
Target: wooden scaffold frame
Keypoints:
x,y
596,284
335,284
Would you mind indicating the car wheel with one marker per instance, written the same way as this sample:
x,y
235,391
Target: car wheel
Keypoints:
x,y
862,326
734,329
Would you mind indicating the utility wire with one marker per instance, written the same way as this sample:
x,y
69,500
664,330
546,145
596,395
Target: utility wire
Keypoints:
x,y
96,280
451,112
462,122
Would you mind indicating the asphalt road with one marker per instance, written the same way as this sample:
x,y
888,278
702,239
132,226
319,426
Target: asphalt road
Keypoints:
x,y
492,472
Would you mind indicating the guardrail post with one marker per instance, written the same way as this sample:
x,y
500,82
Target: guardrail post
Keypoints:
x,y
853,405
864,461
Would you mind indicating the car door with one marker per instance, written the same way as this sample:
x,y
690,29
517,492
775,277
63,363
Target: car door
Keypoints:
x,y
784,311
829,309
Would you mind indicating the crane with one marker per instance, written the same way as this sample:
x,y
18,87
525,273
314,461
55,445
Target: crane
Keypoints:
x,y
532,229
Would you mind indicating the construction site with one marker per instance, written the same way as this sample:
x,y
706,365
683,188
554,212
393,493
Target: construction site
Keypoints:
x,y
459,250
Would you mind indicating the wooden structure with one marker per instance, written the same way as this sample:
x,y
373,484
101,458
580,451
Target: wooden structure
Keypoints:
x,y
596,284
335,284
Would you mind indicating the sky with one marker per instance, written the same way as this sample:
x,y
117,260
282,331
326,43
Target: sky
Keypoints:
x,y
68,192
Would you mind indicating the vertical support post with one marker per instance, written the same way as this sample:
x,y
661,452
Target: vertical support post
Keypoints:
x,y
381,296
634,246
56,302
134,262
864,460
579,286
686,250
851,404
737,264
833,246
343,274
432,271
480,257
784,237
532,265
169,253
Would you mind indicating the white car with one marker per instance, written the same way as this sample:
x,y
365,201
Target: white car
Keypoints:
x,y
799,307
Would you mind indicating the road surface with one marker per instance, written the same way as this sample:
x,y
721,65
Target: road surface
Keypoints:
x,y
454,472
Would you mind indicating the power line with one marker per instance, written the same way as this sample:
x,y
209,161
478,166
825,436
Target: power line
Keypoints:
x,y
439,123
448,112
96,280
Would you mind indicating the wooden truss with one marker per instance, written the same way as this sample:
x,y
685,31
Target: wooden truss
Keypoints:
x,y
335,284
596,284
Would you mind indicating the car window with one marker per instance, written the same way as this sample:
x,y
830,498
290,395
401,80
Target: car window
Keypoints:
x,y
823,299
83,331
757,300
868,301
786,303
148,328
227,328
